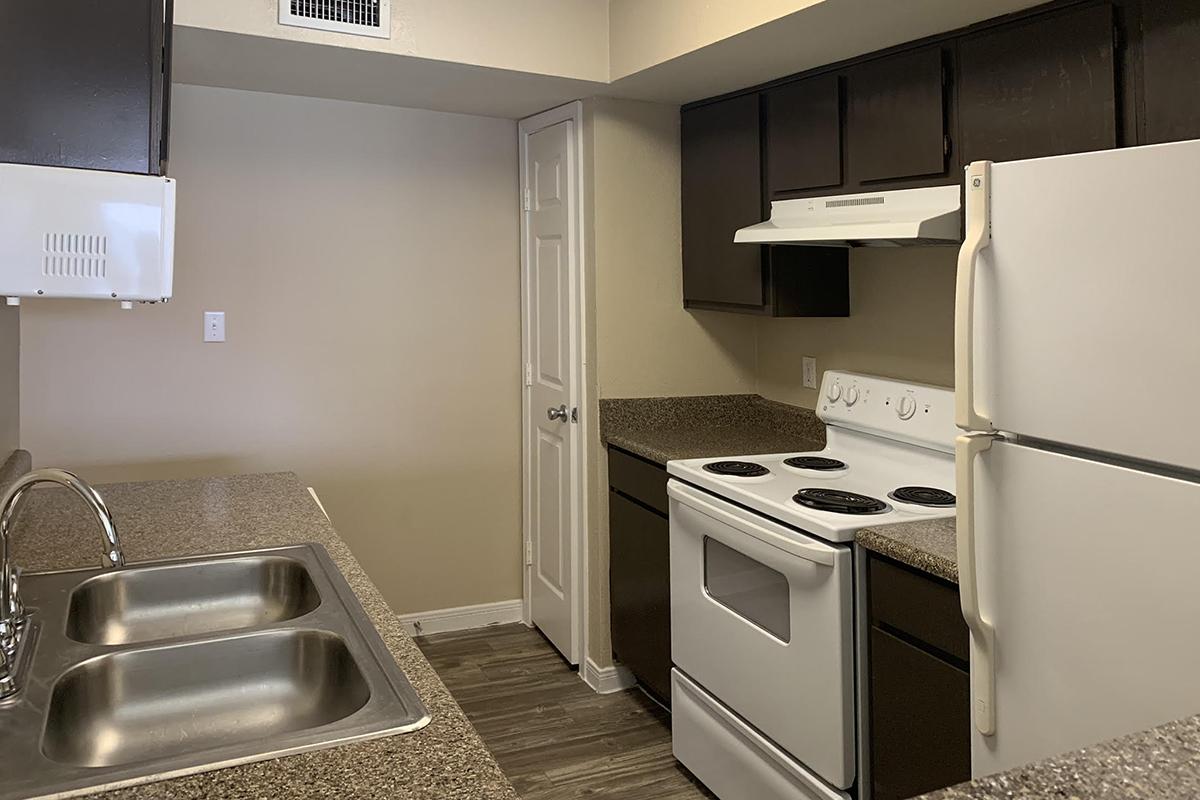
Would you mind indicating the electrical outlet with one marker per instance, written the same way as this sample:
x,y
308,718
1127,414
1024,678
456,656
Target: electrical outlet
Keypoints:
x,y
214,326
810,372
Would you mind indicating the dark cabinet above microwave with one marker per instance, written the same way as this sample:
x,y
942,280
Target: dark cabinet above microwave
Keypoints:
x,y
85,83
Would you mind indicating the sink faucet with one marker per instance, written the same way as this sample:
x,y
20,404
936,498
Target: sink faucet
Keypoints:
x,y
13,617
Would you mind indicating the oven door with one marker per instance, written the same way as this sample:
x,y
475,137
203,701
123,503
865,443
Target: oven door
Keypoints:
x,y
762,618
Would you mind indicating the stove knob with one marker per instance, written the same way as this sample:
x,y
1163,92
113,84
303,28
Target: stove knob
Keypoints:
x,y
852,395
834,391
906,407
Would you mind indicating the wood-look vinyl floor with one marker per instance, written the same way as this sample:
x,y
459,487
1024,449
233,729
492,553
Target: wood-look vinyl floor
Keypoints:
x,y
554,737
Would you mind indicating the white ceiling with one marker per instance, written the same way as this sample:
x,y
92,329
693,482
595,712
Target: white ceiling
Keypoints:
x,y
818,34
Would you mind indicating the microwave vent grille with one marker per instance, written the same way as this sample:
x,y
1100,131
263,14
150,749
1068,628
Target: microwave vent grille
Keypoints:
x,y
358,17
74,255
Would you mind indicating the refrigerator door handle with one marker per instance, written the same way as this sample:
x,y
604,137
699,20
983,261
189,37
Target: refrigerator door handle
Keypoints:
x,y
983,666
978,236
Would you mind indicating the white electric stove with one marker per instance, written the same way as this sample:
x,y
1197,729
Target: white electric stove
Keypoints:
x,y
763,590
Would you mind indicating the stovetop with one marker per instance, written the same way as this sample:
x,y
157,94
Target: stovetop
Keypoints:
x,y
878,468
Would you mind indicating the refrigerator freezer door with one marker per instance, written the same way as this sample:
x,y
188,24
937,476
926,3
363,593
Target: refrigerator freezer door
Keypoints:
x,y
1085,318
1088,573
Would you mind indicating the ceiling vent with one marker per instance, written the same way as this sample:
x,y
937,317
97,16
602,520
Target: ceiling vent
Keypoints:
x,y
358,17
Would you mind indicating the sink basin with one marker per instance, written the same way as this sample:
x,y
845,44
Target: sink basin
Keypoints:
x,y
176,667
125,707
139,605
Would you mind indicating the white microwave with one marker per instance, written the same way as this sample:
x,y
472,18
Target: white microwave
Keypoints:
x,y
87,234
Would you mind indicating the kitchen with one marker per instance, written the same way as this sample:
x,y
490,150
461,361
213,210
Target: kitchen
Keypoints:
x,y
408,166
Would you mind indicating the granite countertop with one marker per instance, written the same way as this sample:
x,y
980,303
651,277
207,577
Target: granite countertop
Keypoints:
x,y
664,429
929,545
1162,763
160,519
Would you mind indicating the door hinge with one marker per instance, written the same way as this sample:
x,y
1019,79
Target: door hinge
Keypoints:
x,y
528,374
528,201
528,553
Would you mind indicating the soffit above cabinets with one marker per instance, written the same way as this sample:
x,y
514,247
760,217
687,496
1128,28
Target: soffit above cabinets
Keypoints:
x,y
433,62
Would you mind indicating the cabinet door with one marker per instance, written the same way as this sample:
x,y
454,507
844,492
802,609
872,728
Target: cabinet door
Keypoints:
x,y
804,135
1171,64
1040,87
640,592
81,83
896,117
721,192
920,720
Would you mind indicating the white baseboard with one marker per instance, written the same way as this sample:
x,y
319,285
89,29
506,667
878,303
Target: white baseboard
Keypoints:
x,y
606,680
462,618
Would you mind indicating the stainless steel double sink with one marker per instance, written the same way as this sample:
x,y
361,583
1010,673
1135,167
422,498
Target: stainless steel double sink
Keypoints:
x,y
176,667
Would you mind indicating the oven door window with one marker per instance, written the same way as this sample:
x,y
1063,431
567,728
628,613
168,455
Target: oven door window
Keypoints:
x,y
749,588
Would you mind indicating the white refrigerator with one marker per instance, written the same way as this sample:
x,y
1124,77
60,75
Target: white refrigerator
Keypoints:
x,y
1077,358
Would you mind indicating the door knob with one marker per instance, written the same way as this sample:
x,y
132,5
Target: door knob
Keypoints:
x,y
559,413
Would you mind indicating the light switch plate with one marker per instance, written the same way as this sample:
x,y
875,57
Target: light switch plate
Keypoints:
x,y
214,326
810,372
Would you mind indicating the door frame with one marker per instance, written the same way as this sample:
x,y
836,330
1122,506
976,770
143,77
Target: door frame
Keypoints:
x,y
571,112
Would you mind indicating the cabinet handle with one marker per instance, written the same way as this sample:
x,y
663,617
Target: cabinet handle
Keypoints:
x,y
983,658
978,236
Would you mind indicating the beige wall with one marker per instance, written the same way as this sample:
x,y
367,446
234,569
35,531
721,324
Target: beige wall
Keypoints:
x,y
901,325
642,341
643,33
367,260
647,344
10,370
565,38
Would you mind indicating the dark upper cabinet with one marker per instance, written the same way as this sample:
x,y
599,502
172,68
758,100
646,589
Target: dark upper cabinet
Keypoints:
x,y
83,83
722,191
896,117
804,135
1044,86
1171,69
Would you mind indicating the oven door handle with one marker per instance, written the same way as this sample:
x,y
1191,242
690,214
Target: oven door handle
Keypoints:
x,y
793,545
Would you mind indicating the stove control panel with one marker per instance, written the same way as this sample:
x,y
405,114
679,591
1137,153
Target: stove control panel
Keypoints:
x,y
911,412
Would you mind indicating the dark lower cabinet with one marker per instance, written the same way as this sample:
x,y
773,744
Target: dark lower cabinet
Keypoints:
x,y
919,683
639,575
1045,86
85,83
1171,69
640,593
920,736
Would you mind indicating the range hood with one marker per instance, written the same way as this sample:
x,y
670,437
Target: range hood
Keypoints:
x,y
878,219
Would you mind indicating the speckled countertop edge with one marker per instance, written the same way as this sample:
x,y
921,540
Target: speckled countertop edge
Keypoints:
x,y
663,429
929,545
160,519
1159,764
